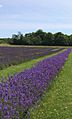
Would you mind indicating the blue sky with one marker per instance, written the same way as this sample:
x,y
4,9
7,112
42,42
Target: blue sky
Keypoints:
x,y
31,15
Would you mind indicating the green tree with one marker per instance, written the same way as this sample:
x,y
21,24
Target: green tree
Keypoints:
x,y
70,40
59,38
48,40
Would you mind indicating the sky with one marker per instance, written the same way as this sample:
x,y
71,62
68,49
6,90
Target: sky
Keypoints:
x,y
30,15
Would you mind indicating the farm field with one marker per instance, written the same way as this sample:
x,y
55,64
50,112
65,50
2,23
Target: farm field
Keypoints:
x,y
11,70
15,55
26,89
35,59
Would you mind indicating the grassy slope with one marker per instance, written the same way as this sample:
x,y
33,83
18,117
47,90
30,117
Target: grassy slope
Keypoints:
x,y
20,67
57,101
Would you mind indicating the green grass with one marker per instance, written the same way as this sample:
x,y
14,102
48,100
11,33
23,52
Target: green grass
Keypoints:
x,y
20,67
56,102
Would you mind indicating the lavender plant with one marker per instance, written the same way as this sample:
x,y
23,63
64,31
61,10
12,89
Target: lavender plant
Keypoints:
x,y
24,89
15,55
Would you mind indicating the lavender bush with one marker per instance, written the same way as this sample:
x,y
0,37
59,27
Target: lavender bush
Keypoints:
x,y
22,90
15,55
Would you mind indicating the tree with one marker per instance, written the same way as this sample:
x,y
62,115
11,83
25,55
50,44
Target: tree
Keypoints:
x,y
14,39
40,38
59,38
48,40
66,40
70,40
17,39
39,33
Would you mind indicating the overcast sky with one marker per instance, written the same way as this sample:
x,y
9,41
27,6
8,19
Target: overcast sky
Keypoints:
x,y
31,15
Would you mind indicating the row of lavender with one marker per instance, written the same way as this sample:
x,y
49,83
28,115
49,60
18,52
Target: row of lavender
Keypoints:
x,y
15,55
22,90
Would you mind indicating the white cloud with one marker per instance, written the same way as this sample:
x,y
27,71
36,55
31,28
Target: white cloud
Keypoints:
x,y
29,15
1,5
10,28
35,25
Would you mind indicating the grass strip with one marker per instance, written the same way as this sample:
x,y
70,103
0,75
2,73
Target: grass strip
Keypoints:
x,y
56,103
20,67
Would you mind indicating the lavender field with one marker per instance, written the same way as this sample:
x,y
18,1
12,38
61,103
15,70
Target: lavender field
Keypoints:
x,y
35,59
15,55
24,89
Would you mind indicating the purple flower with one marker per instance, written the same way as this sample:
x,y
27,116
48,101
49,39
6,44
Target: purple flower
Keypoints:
x,y
24,89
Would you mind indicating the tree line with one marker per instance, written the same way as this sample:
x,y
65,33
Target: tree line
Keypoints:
x,y
41,38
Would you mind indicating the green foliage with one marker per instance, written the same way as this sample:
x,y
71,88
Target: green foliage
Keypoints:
x,y
4,40
39,38
49,39
59,38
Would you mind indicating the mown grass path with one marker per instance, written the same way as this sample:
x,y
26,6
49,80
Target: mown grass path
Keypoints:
x,y
57,100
